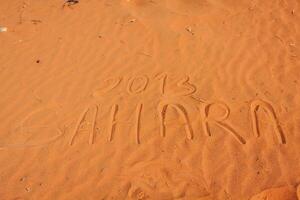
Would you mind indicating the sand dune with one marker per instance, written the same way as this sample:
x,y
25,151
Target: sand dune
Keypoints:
x,y
148,99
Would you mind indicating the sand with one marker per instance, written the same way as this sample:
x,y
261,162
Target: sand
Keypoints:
x,y
149,99
276,194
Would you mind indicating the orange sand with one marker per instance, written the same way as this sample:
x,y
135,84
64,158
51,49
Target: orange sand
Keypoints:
x,y
150,99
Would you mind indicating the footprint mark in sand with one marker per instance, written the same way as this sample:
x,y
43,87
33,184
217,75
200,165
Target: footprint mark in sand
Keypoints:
x,y
162,109
206,120
255,105
140,88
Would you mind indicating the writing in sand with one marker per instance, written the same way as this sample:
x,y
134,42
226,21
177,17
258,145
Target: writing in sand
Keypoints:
x,y
164,107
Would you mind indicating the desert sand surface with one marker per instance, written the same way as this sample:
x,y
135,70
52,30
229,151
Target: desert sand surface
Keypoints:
x,y
150,99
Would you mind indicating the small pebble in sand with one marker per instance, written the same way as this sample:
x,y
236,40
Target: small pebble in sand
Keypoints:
x,y
132,20
3,29
293,12
71,2
189,29
36,21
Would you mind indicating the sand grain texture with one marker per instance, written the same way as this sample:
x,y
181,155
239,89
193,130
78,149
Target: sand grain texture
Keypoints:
x,y
148,99
298,191
281,193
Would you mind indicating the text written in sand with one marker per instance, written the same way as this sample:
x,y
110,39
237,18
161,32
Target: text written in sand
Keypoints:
x,y
165,105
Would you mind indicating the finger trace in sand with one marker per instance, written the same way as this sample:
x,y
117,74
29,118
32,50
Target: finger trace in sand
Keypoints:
x,y
184,83
141,88
206,119
116,82
163,77
41,144
35,144
255,105
80,120
112,121
138,121
92,135
182,113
